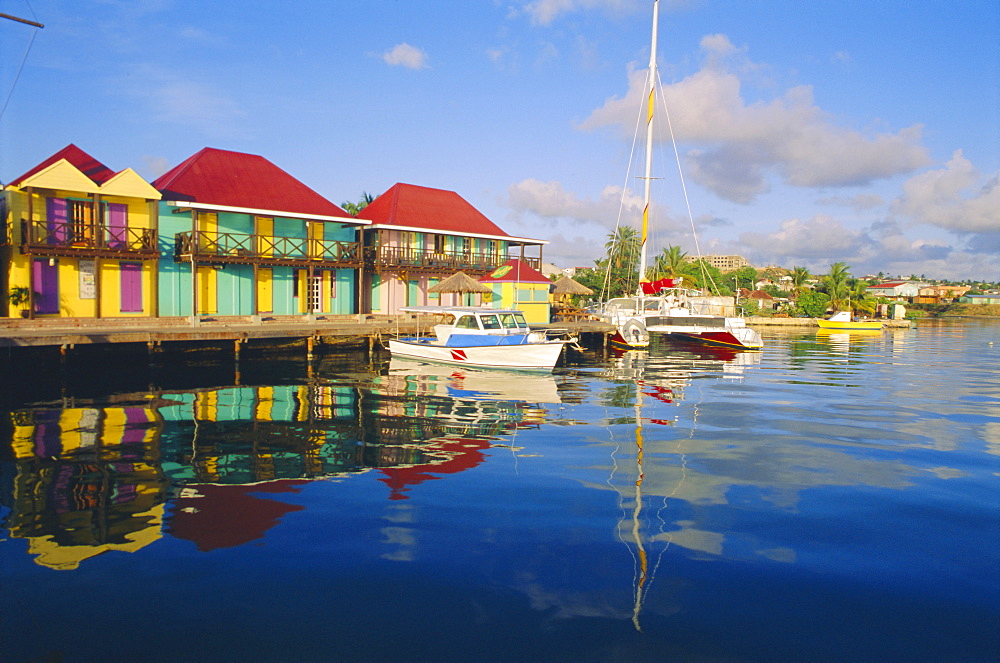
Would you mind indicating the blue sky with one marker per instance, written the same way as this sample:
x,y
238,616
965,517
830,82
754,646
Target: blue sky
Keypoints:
x,y
809,132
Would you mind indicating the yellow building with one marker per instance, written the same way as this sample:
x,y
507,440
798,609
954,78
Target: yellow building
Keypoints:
x,y
80,240
518,285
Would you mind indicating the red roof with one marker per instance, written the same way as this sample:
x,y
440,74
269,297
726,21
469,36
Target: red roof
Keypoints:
x,y
235,179
515,270
433,210
88,165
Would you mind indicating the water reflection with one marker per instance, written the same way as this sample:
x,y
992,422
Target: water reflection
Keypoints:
x,y
695,497
86,480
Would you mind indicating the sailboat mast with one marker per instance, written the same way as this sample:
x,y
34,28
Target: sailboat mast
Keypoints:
x,y
649,145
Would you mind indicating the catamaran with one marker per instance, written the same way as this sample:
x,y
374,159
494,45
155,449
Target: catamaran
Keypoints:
x,y
664,306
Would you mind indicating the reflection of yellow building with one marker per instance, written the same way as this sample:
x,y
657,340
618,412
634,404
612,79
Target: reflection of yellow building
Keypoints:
x,y
88,481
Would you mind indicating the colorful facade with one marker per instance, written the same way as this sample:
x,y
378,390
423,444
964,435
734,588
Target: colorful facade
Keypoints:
x,y
419,236
230,234
80,240
518,285
248,239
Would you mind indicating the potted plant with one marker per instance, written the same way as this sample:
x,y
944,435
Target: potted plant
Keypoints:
x,y
20,296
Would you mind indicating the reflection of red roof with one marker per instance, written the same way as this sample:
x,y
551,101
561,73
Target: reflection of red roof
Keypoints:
x,y
466,453
235,179
422,208
229,516
515,270
88,165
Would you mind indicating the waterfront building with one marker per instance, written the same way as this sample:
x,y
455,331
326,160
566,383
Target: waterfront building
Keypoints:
x,y
247,238
79,240
518,285
419,236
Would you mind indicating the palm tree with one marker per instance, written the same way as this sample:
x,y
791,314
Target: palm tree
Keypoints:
x,y
622,260
837,287
670,264
861,299
354,208
799,277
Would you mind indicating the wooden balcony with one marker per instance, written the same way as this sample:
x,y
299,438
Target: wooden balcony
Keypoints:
x,y
399,258
222,248
87,240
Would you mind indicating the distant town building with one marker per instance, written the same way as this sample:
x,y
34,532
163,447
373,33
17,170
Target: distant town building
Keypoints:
x,y
723,263
897,290
980,299
934,294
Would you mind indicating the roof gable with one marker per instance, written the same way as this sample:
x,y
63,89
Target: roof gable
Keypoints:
x,y
515,270
429,210
239,180
90,167
128,184
60,175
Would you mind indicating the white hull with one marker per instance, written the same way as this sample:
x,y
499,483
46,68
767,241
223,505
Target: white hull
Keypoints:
x,y
528,356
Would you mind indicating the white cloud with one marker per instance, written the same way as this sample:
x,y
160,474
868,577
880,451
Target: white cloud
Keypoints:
x,y
736,147
954,198
544,12
552,201
404,55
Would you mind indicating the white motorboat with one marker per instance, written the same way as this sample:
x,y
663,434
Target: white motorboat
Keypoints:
x,y
485,337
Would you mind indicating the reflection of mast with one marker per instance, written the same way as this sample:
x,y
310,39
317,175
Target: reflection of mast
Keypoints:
x,y
637,511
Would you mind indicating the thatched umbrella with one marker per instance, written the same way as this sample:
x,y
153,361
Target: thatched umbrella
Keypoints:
x,y
459,282
567,286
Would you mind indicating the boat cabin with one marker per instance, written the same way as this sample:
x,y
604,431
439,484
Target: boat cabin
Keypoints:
x,y
474,321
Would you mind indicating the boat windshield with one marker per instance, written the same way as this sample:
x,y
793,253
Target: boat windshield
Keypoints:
x,y
512,320
466,322
490,322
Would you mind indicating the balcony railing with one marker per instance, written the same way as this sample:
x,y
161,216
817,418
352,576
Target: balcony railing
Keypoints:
x,y
214,247
428,260
86,239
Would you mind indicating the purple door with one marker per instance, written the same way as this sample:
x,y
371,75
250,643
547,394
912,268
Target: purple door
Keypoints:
x,y
117,225
131,287
55,220
46,285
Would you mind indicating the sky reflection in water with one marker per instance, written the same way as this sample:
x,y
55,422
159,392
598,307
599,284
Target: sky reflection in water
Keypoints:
x,y
832,497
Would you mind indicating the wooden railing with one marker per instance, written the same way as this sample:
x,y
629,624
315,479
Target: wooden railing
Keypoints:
x,y
67,238
414,259
205,246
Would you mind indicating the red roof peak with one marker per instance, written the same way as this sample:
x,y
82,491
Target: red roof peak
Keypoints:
x,y
86,164
430,210
235,179
515,270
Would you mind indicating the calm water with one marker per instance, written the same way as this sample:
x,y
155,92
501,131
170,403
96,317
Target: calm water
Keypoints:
x,y
836,497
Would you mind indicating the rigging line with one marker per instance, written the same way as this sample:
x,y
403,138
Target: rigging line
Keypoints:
x,y
605,292
17,75
680,171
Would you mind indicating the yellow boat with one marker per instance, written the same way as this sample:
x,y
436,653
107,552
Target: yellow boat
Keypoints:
x,y
841,320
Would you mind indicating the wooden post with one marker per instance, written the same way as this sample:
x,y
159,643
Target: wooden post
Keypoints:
x,y
154,222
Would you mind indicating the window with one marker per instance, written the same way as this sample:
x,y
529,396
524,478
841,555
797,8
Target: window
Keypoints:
x,y
466,322
439,244
508,320
491,322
